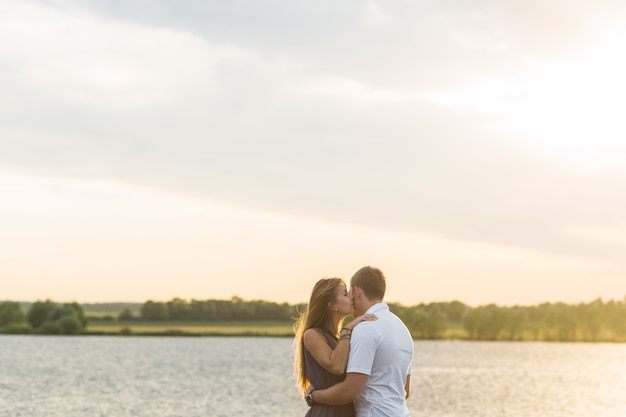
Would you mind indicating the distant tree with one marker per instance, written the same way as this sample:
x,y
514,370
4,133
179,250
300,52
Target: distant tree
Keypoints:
x,y
152,310
39,312
485,322
49,327
126,315
616,319
517,322
435,324
497,318
177,309
234,309
200,310
560,322
80,315
419,323
470,323
415,319
69,324
16,328
60,310
454,310
10,313
591,318
48,317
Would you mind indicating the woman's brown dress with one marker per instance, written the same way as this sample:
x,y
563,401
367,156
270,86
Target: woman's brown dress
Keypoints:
x,y
320,378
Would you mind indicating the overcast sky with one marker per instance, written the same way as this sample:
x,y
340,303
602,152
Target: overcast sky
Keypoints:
x,y
204,149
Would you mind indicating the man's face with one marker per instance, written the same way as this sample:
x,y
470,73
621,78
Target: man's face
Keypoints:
x,y
354,296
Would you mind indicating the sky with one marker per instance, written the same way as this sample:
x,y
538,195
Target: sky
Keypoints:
x,y
472,151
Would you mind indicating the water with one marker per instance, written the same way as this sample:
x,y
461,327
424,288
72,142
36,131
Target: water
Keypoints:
x,y
481,379
227,377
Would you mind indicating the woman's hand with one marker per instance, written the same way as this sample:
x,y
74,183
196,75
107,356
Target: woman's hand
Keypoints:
x,y
357,320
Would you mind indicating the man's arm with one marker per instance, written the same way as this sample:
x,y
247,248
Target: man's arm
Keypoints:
x,y
342,393
407,386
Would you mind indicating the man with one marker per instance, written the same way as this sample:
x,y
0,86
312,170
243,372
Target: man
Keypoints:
x,y
378,374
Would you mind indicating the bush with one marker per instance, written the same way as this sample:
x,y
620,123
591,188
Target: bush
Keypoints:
x,y
16,328
38,313
126,331
59,310
48,317
10,313
69,324
126,315
49,327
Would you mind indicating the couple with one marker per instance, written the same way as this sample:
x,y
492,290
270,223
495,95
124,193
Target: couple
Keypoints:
x,y
369,363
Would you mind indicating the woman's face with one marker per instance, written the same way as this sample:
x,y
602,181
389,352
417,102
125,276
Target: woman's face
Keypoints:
x,y
343,300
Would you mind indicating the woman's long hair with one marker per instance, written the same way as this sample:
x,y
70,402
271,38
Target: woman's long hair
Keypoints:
x,y
316,315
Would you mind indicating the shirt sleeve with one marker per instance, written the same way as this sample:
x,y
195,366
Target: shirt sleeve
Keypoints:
x,y
363,344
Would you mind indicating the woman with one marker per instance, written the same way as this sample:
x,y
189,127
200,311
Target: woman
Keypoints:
x,y
322,346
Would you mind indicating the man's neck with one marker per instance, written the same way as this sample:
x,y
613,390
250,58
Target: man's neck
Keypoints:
x,y
369,305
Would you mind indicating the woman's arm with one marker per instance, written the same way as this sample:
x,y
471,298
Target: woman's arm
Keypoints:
x,y
334,361
365,317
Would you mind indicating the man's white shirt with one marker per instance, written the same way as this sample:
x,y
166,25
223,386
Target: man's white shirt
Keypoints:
x,y
382,349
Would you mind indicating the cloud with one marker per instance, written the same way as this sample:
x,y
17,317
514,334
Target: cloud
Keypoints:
x,y
602,235
567,108
356,91
307,114
79,56
374,14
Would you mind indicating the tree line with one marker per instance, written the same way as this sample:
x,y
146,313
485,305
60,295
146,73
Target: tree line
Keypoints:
x,y
590,322
235,309
43,317
594,321
587,322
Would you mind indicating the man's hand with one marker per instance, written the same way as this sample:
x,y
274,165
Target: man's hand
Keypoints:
x,y
344,392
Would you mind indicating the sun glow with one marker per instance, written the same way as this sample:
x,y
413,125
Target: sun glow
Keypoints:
x,y
570,109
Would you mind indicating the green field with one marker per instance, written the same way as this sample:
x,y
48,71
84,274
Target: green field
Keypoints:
x,y
223,328
455,331
190,328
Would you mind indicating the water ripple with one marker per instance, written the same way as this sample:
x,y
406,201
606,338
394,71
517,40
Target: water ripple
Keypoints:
x,y
227,377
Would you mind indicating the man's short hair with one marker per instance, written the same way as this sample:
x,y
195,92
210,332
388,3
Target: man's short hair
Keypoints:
x,y
371,281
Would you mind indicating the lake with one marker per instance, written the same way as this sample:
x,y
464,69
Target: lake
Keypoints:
x,y
84,376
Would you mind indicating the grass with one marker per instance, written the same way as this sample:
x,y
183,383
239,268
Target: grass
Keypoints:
x,y
455,331
190,328
212,328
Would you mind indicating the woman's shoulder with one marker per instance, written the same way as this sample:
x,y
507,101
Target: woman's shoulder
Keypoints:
x,y
315,333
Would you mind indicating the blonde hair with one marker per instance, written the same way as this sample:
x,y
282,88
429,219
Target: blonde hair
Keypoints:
x,y
316,315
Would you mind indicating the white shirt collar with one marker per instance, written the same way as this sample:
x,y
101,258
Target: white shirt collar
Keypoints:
x,y
377,307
